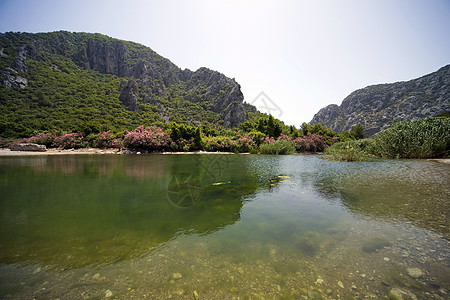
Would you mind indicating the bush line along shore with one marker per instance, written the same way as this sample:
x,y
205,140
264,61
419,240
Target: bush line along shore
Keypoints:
x,y
421,138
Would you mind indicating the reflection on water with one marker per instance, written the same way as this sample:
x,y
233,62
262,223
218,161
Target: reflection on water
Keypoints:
x,y
222,226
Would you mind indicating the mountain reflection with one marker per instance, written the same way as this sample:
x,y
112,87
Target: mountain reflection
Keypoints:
x,y
75,211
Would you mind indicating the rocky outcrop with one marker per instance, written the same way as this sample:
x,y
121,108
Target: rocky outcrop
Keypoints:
x,y
377,107
12,79
27,147
129,92
147,76
224,94
19,62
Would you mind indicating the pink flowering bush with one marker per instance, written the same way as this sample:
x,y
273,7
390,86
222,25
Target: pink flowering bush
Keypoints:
x,y
69,141
243,144
318,144
41,138
147,138
285,138
310,143
268,140
216,143
105,140
301,144
6,142
183,145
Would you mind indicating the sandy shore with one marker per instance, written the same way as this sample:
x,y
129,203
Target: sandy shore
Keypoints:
x,y
443,160
7,152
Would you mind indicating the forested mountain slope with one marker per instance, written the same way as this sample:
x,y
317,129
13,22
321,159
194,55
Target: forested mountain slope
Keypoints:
x,y
73,81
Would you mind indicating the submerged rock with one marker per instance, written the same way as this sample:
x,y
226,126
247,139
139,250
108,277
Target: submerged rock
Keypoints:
x,y
108,294
401,294
414,272
374,245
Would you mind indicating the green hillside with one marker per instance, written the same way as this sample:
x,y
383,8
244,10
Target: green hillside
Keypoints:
x,y
91,83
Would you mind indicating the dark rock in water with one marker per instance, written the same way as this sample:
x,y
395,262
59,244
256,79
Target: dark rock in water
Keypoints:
x,y
401,294
375,244
28,147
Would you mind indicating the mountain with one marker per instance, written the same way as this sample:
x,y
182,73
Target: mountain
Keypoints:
x,y
376,107
63,80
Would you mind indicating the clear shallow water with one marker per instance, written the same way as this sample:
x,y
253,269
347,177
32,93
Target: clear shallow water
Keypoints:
x,y
222,226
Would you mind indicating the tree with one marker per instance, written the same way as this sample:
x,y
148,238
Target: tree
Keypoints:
x,y
357,132
198,137
305,128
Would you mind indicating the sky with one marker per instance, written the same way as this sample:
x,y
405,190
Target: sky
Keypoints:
x,y
291,58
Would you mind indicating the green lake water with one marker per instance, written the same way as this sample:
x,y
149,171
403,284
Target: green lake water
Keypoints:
x,y
223,227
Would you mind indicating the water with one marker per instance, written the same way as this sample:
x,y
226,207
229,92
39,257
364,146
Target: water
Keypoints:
x,y
222,226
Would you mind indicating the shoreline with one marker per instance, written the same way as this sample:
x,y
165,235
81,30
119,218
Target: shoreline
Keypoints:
x,y
5,152
8,152
91,151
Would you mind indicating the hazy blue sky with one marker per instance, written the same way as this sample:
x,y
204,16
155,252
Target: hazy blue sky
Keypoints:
x,y
303,54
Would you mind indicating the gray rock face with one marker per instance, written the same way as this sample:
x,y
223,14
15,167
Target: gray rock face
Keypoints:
x,y
222,92
28,147
377,107
129,92
19,62
12,79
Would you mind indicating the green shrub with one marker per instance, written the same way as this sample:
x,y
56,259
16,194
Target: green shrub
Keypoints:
x,y
421,138
353,150
277,147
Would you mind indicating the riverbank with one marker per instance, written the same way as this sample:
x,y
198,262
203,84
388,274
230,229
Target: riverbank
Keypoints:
x,y
8,152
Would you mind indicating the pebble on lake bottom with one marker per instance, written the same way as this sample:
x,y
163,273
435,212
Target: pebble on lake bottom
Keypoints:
x,y
414,272
400,294
108,294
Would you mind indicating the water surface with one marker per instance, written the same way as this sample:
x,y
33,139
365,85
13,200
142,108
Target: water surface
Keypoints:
x,y
222,226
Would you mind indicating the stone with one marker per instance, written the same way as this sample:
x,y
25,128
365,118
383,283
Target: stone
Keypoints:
x,y
96,276
177,275
108,294
414,272
28,147
340,284
195,295
401,294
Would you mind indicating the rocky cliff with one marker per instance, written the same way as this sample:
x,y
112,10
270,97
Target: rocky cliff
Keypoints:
x,y
377,107
146,77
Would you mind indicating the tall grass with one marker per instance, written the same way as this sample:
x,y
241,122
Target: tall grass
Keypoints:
x,y
421,138
354,150
277,147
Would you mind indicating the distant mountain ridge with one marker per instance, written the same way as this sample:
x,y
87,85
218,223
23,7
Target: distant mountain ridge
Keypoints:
x,y
143,80
377,106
